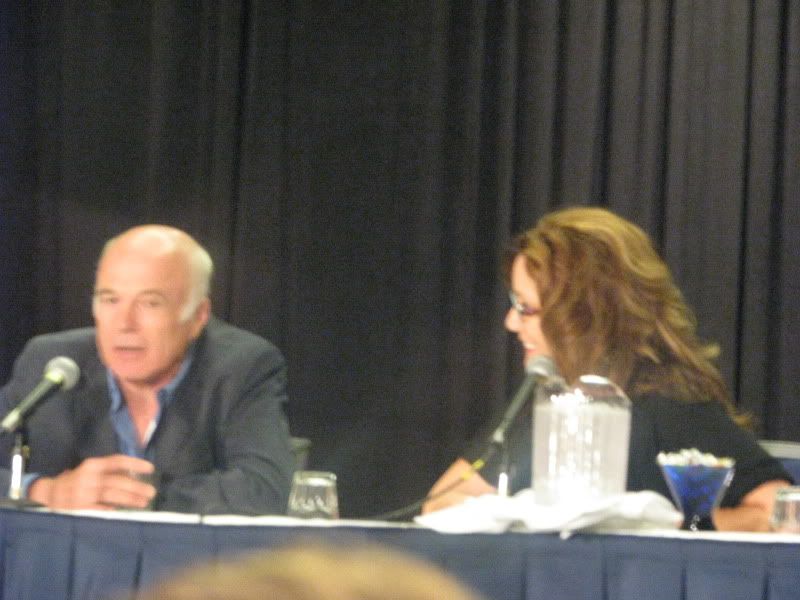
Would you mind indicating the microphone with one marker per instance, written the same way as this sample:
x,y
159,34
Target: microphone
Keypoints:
x,y
538,369
60,373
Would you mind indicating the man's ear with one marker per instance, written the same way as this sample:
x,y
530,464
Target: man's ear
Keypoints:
x,y
201,316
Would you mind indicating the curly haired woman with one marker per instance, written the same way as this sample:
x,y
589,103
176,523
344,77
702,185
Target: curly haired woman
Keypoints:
x,y
589,290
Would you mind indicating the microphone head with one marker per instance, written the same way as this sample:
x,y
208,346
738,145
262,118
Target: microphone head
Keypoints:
x,y
541,366
63,371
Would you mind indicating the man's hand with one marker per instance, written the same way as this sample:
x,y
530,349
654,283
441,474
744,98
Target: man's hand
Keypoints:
x,y
97,483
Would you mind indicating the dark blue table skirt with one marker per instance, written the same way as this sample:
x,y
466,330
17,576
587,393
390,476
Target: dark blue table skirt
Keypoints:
x,y
50,556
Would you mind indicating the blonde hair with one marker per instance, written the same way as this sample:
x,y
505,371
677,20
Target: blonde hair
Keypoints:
x,y
610,307
314,571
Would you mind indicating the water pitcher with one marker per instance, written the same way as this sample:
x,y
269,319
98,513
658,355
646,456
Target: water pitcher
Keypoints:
x,y
580,441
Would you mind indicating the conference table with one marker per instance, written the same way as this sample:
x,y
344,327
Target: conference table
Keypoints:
x,y
84,555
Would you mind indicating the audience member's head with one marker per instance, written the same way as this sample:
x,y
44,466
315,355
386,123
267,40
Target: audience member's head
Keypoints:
x,y
314,572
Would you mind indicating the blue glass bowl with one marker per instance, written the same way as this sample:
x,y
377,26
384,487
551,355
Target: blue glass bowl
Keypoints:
x,y
697,490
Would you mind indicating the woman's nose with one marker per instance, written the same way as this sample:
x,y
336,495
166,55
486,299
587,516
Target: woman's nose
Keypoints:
x,y
512,320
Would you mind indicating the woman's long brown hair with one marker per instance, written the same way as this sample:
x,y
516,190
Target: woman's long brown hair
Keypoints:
x,y
611,307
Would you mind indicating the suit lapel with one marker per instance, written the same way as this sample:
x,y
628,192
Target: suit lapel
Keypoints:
x,y
181,436
96,436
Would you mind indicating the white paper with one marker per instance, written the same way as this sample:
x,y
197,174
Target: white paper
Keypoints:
x,y
495,514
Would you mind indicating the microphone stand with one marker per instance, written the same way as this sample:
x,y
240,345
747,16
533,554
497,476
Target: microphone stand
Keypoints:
x,y
540,370
498,439
19,457
503,479
531,385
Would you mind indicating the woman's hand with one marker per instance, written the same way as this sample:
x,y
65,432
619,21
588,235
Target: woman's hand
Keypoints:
x,y
471,485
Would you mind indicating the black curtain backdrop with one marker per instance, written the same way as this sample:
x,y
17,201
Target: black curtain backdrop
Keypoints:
x,y
356,168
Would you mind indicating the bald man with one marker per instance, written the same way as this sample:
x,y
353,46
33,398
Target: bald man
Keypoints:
x,y
174,409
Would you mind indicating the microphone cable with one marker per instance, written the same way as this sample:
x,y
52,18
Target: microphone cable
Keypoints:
x,y
409,509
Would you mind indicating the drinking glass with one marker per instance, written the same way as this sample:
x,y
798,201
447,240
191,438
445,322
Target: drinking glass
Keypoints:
x,y
697,489
313,495
786,513
151,478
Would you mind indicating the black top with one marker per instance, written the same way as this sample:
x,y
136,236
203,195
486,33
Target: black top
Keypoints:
x,y
657,424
